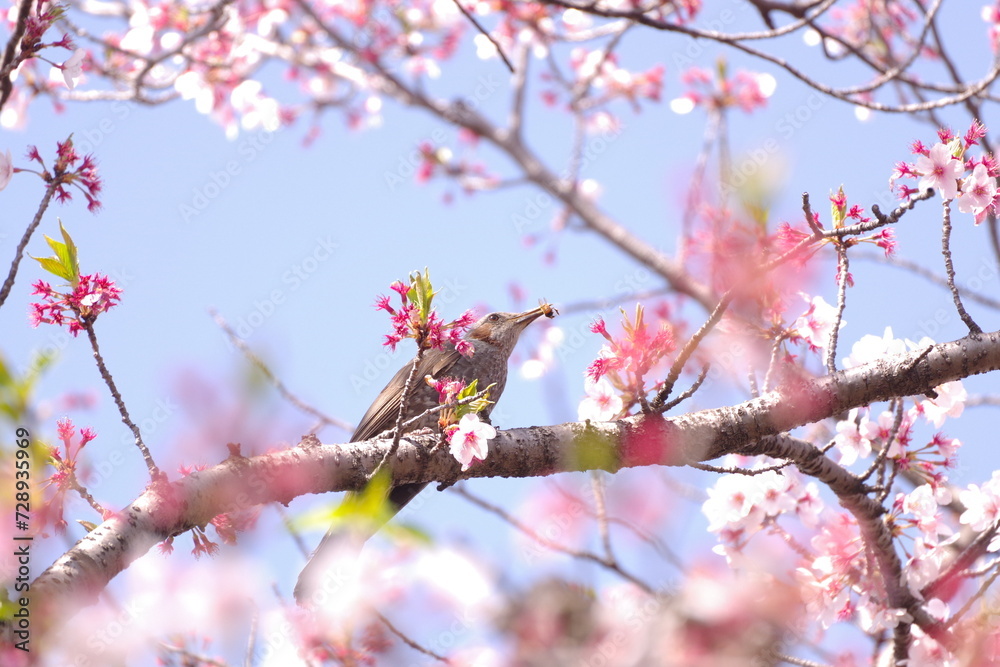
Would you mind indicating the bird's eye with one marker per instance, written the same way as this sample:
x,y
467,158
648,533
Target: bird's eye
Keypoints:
x,y
494,318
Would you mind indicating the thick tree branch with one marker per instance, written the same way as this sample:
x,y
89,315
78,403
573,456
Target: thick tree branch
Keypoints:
x,y
168,509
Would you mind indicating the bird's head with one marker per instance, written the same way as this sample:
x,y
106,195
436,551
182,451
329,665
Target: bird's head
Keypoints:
x,y
503,329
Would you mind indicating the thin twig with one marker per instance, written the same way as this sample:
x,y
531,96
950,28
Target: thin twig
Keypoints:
x,y
252,357
690,347
555,546
408,641
689,392
979,594
19,253
950,269
597,485
734,470
10,53
482,30
88,325
251,639
810,218
842,280
772,363
926,273
404,401
801,662
74,483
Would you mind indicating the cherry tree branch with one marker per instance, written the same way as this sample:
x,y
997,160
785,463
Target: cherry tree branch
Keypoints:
x,y
169,509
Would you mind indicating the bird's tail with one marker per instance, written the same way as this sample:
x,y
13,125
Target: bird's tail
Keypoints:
x,y
336,555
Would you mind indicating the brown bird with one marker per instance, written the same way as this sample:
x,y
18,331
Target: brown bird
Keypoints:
x,y
493,339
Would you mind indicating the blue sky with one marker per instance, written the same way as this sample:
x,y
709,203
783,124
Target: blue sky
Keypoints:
x,y
293,243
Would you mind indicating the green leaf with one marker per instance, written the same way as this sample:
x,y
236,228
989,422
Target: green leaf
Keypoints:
x,y
71,254
592,450
55,267
65,264
7,606
475,406
62,253
469,390
422,293
367,509
16,390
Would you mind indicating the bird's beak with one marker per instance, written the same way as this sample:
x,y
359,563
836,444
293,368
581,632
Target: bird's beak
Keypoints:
x,y
529,316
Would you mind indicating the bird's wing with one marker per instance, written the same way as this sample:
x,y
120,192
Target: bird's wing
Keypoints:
x,y
382,414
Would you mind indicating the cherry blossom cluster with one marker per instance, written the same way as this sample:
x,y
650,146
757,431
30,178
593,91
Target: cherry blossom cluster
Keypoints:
x,y
858,435
415,318
467,434
441,160
982,508
600,69
741,505
64,461
90,296
747,90
842,215
816,325
881,30
339,46
991,15
42,16
837,575
70,169
948,168
416,35
624,362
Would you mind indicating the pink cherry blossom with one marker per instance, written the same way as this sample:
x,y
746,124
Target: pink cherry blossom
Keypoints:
x,y
941,170
469,440
6,169
72,69
871,348
739,503
874,617
602,402
923,505
930,556
978,192
926,651
817,323
982,504
854,438
775,496
92,295
732,502
950,402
